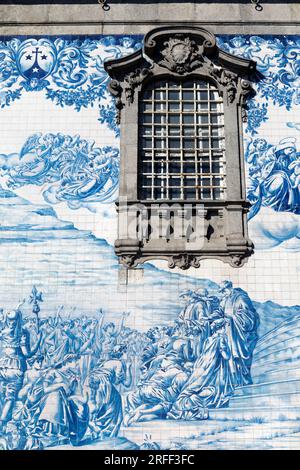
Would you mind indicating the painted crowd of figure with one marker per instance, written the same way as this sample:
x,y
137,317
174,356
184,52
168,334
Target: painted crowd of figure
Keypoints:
x,y
71,379
274,174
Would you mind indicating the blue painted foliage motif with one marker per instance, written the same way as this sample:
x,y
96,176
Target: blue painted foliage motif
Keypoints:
x,y
70,168
69,70
274,175
256,114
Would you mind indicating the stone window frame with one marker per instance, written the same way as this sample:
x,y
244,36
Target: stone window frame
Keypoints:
x,y
173,52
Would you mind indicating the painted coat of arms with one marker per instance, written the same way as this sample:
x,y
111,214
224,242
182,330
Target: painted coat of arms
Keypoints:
x,y
35,61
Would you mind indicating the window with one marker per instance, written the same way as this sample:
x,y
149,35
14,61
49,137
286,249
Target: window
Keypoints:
x,y
182,141
180,102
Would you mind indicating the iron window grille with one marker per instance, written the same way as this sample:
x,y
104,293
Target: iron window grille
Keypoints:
x,y
180,101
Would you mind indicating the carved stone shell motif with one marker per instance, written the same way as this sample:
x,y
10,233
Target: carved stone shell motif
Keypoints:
x,y
179,50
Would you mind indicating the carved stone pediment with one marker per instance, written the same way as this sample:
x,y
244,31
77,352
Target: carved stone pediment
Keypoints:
x,y
179,55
